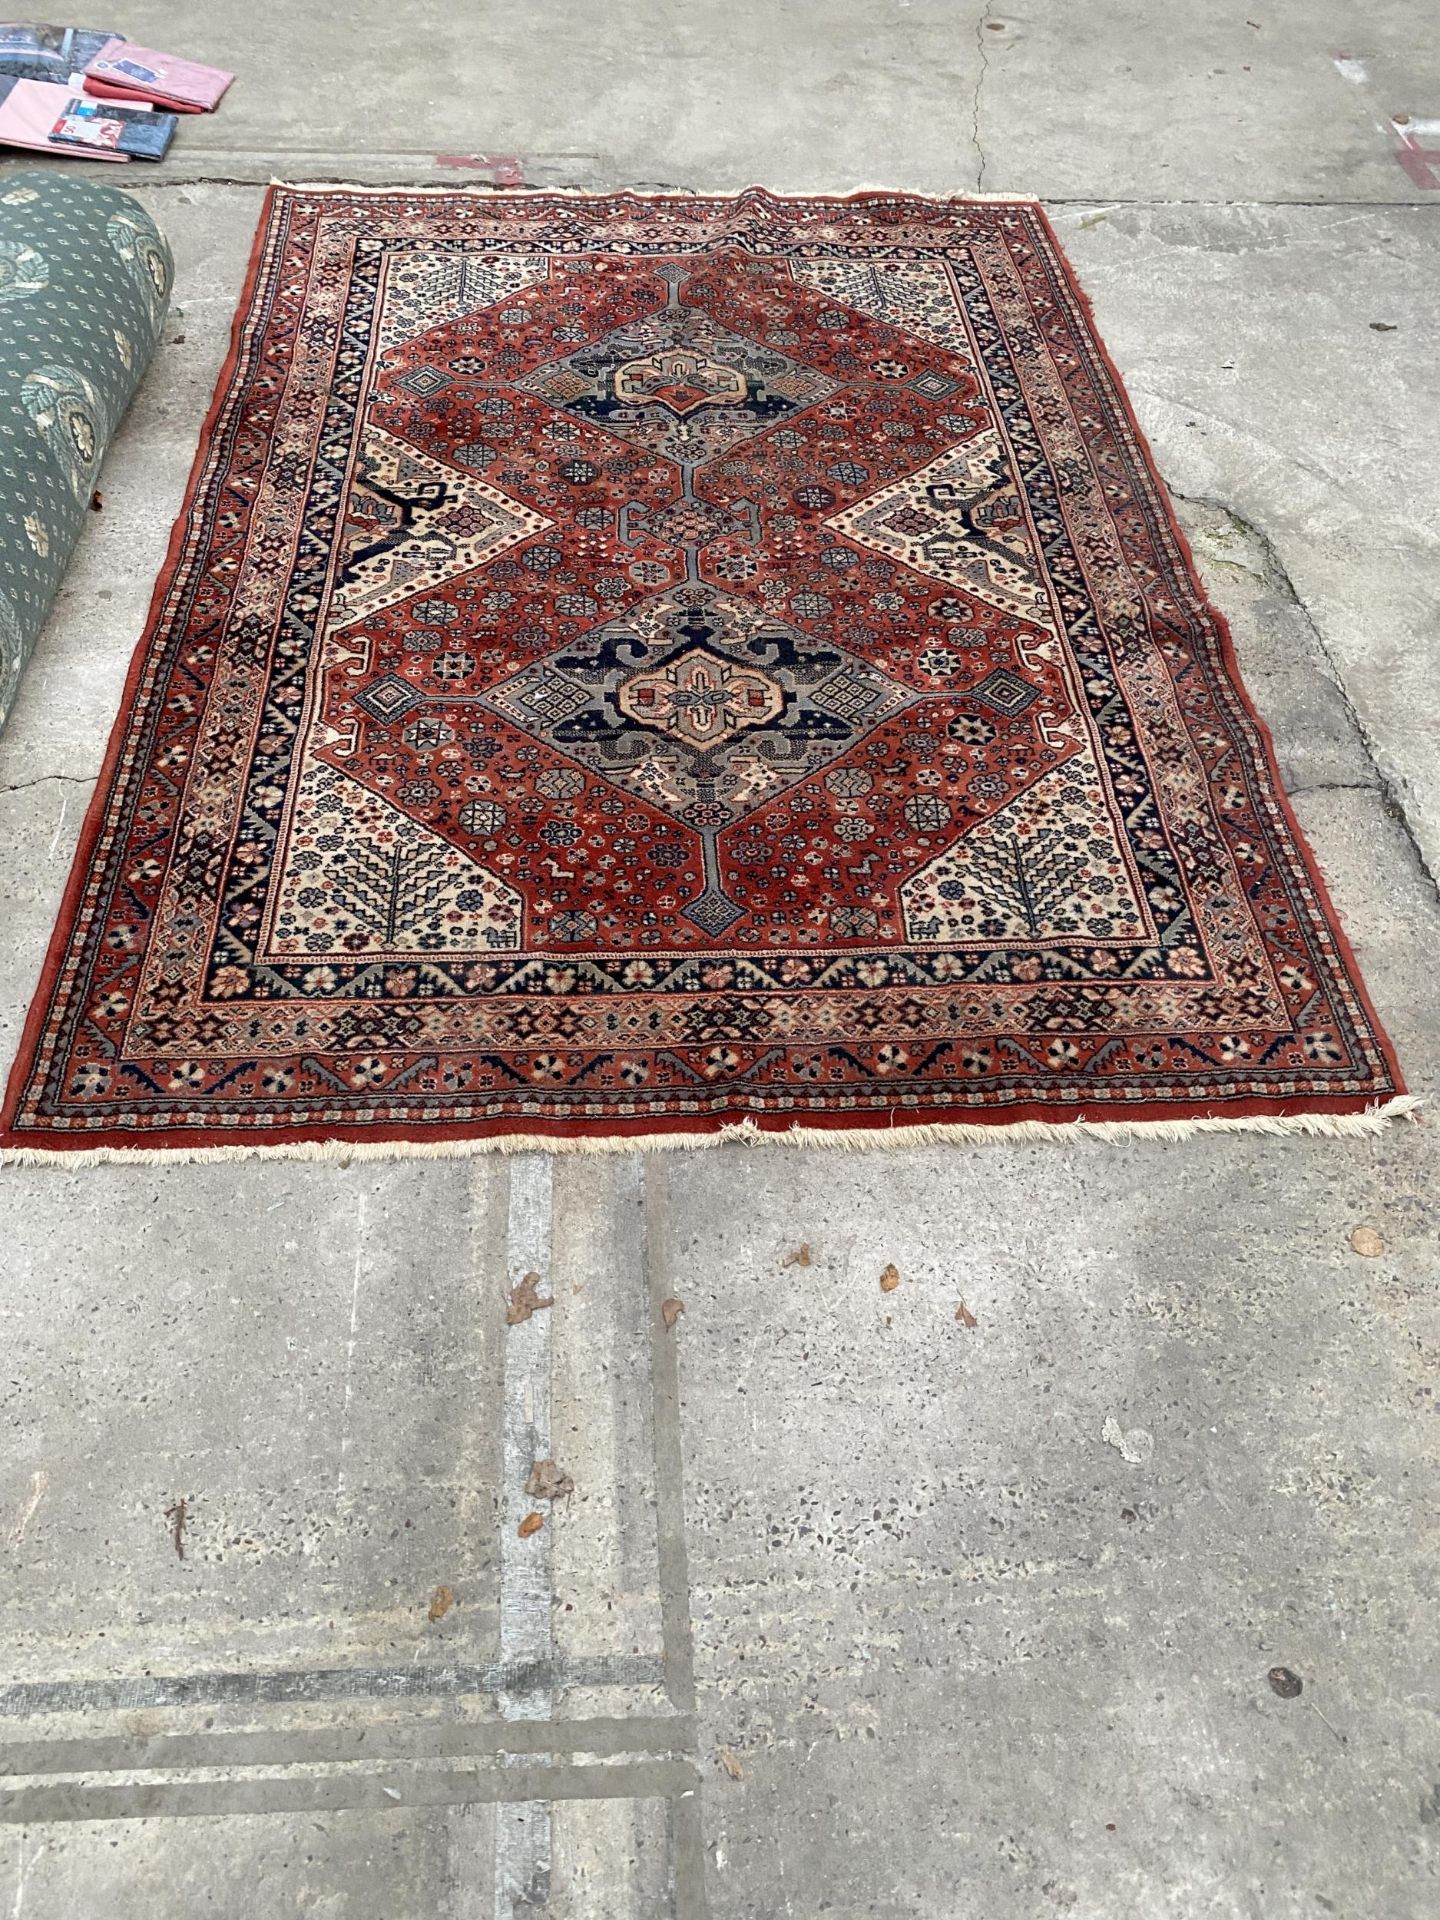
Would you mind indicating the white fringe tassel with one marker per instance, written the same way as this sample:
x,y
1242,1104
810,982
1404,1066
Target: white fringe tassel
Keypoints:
x,y
744,1133
482,189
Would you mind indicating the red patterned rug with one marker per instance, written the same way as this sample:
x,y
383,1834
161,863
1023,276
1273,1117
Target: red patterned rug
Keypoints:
x,y
632,666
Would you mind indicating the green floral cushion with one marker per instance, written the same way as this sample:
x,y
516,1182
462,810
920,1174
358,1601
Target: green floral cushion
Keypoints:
x,y
85,276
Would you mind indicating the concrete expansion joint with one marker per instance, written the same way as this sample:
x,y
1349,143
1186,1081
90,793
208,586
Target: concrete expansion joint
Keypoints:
x,y
1274,575
615,180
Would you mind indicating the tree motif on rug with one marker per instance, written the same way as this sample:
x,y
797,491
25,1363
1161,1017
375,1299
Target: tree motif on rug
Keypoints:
x,y
628,666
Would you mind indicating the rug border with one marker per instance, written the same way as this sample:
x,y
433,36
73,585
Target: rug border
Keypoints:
x,y
1341,1116
1230,660
70,900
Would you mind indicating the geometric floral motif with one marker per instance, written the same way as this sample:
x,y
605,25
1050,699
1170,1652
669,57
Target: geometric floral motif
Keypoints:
x,y
357,876
915,295
959,519
703,707
423,290
679,384
412,523
1050,867
630,666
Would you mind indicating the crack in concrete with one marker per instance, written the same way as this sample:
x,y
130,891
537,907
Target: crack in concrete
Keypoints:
x,y
1334,786
1276,577
70,779
981,49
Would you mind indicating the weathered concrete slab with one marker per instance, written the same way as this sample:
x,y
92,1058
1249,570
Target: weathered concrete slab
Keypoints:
x,y
966,1655
1249,345
1292,103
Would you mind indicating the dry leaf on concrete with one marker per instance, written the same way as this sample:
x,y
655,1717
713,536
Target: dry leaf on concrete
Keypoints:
x,y
730,1763
1367,1241
890,1279
177,1516
525,1300
965,1316
441,1602
548,1482
670,1312
799,1258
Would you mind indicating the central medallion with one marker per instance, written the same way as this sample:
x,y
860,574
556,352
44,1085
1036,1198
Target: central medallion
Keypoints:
x,y
703,698
705,707
679,384
682,379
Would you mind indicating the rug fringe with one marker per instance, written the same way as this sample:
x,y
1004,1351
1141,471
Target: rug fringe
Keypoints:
x,y
742,1133
488,192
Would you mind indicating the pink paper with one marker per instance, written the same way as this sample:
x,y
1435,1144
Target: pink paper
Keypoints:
x,y
158,76
28,112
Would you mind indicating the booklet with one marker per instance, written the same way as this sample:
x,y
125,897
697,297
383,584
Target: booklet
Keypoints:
x,y
94,124
31,51
29,110
123,71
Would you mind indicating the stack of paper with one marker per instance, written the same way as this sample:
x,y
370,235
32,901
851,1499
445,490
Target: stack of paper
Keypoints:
x,y
90,94
123,71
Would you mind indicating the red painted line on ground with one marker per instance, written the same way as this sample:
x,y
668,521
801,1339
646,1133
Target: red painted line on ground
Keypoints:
x,y
507,169
1420,164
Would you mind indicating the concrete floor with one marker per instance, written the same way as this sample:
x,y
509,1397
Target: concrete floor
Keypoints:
x,y
854,1611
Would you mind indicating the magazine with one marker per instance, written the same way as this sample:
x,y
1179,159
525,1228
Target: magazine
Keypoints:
x,y
29,110
137,131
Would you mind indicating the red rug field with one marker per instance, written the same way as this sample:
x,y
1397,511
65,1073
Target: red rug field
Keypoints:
x,y
632,667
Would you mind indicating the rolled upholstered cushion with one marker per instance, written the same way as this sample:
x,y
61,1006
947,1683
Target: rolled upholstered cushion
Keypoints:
x,y
85,278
